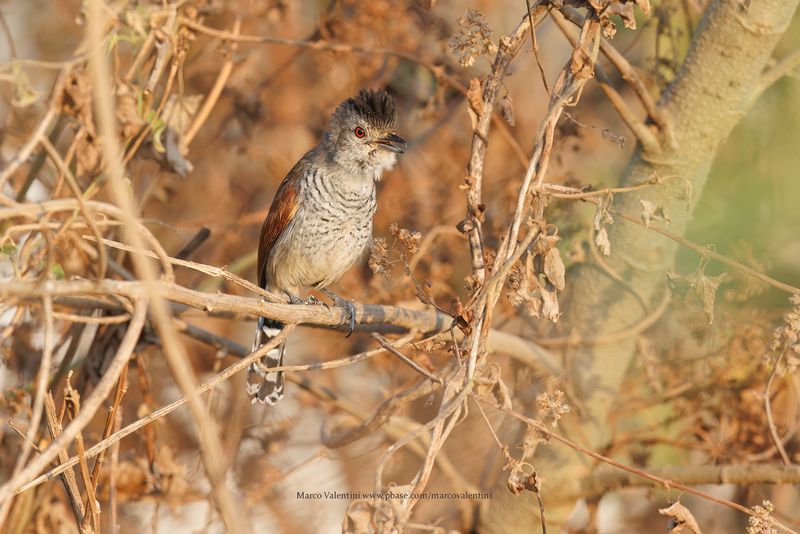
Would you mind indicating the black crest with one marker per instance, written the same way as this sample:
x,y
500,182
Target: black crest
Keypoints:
x,y
375,107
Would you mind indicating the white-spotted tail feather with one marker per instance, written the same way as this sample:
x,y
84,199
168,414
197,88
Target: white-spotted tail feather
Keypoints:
x,y
263,385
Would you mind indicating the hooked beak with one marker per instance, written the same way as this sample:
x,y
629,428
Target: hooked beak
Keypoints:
x,y
392,143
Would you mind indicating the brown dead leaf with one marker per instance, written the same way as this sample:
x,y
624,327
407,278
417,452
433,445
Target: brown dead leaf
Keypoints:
x,y
651,212
606,9
77,100
87,155
179,111
24,94
681,518
582,66
475,101
127,114
648,211
602,241
554,268
602,217
706,289
550,308
519,481
507,109
625,12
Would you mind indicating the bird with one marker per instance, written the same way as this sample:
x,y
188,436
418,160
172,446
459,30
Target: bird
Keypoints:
x,y
320,220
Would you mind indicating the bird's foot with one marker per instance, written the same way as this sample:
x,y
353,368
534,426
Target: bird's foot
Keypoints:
x,y
310,301
349,307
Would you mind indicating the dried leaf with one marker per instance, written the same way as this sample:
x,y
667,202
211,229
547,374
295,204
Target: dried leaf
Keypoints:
x,y
625,12
533,305
602,216
681,518
554,268
609,28
24,94
475,101
127,114
648,211
87,155
77,100
652,212
519,481
507,108
602,241
706,289
582,66
179,111
550,308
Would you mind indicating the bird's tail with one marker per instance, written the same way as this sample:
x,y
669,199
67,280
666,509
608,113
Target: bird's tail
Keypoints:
x,y
264,385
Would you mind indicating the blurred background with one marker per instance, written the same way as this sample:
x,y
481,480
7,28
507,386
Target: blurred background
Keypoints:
x,y
272,109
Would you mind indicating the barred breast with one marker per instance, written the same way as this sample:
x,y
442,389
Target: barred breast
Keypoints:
x,y
330,232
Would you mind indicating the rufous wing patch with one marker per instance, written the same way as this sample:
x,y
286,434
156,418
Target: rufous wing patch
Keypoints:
x,y
283,209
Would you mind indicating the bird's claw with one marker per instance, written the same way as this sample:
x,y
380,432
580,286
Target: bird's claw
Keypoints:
x,y
349,307
351,311
313,301
310,301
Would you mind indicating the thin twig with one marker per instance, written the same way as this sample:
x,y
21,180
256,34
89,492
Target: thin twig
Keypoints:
x,y
72,400
112,478
67,476
535,47
122,387
768,410
213,95
405,359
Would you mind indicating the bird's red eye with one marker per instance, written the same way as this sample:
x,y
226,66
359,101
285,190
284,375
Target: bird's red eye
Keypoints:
x,y
360,132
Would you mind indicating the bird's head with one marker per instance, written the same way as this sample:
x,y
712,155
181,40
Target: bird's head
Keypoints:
x,y
361,133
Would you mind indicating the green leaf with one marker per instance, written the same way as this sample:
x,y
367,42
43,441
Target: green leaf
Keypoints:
x,y
57,271
24,94
159,127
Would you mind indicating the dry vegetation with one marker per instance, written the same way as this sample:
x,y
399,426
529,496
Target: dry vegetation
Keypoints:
x,y
541,320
